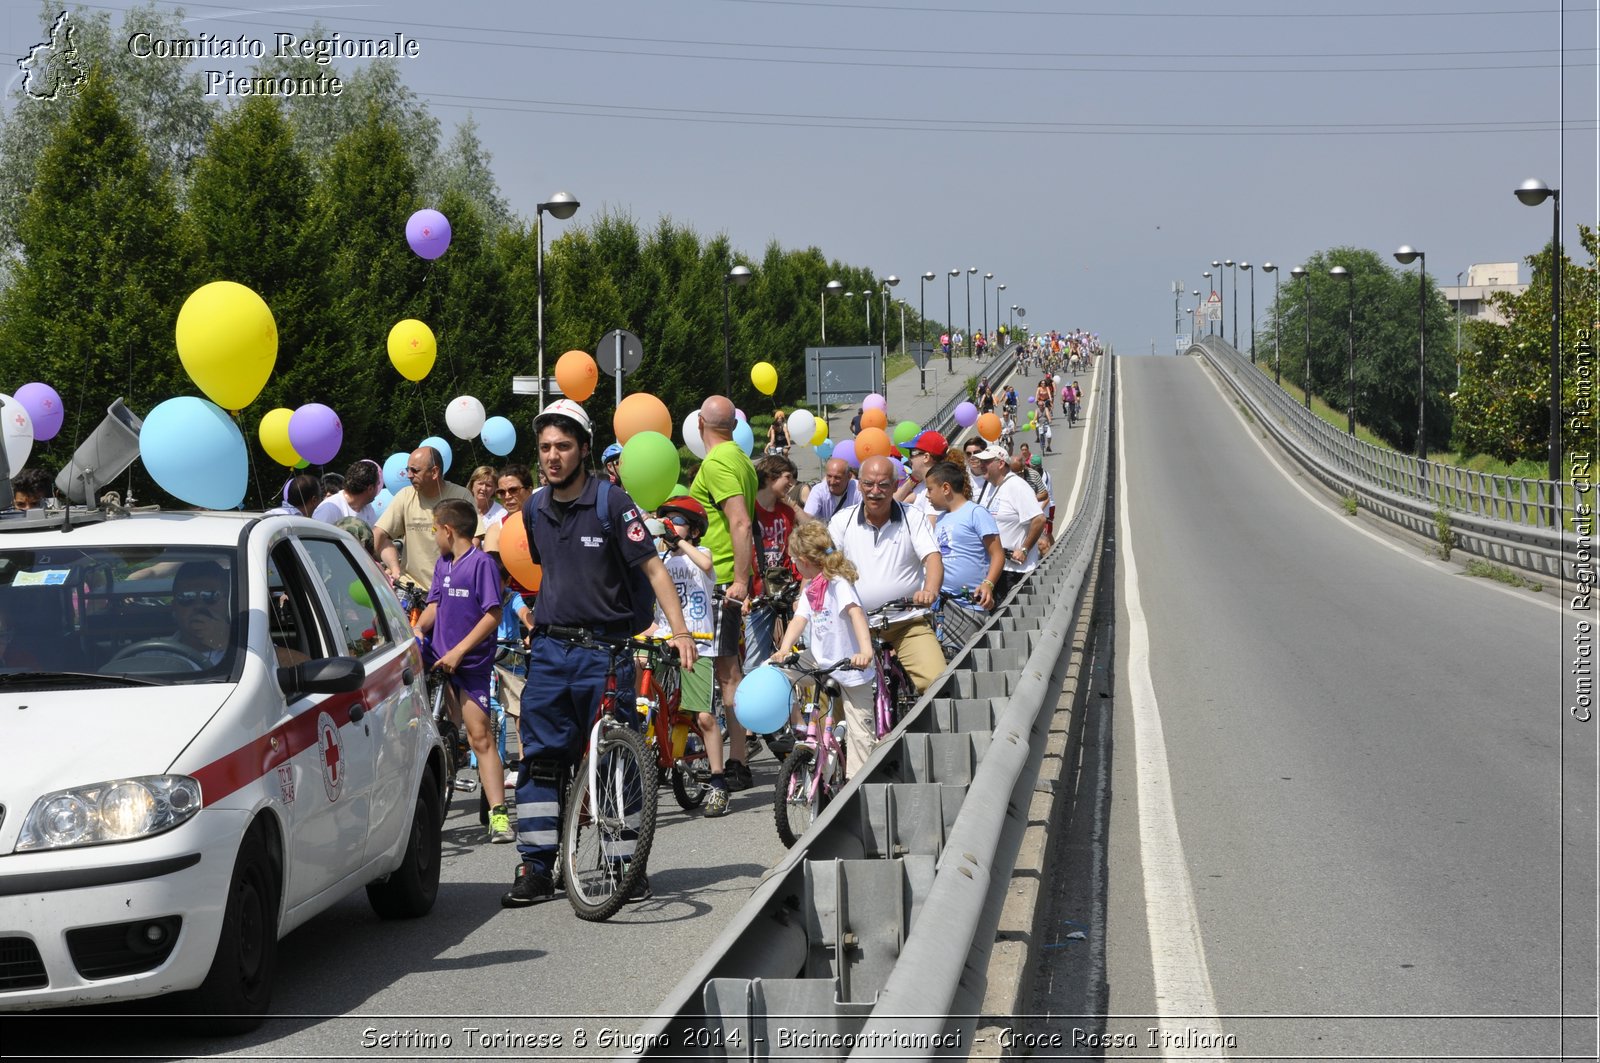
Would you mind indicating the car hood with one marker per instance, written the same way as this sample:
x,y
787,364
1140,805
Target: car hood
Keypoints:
x,y
54,739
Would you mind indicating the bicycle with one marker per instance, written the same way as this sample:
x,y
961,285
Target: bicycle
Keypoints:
x,y
608,811
680,753
814,770
780,590
895,693
956,619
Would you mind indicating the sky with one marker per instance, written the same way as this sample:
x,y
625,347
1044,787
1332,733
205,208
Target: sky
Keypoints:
x,y
1088,154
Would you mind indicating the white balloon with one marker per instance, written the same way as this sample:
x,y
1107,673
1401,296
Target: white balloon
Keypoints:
x,y
1058,380
465,416
802,426
17,432
691,434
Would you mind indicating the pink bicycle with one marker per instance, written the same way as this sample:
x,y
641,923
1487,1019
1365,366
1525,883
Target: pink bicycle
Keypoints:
x,y
814,770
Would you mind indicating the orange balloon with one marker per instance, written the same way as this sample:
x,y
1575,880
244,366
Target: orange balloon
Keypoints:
x,y
989,426
874,419
873,443
577,375
641,413
514,553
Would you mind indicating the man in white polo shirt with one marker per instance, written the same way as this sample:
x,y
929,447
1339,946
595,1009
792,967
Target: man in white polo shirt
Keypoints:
x,y
894,550
1016,511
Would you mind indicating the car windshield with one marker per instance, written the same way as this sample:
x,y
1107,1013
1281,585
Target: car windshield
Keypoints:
x,y
118,614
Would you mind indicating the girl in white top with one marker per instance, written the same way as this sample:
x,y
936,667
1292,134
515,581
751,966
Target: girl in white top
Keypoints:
x,y
832,610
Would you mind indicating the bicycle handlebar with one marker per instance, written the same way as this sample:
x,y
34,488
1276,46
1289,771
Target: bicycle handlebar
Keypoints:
x,y
792,662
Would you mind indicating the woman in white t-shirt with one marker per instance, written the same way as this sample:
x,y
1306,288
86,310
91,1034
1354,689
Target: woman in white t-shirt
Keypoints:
x,y
830,607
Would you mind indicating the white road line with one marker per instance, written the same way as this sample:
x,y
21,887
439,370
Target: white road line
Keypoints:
x,y
1083,455
1183,995
1345,520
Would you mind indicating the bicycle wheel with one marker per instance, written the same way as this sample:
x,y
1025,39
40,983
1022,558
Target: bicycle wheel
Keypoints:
x,y
688,788
794,808
610,822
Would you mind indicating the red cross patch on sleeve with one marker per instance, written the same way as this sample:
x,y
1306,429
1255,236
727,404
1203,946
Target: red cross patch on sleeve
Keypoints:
x,y
636,532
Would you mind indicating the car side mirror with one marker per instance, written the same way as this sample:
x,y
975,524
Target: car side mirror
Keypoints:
x,y
330,675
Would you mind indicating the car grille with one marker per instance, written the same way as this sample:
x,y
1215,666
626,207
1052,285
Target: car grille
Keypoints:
x,y
123,948
20,965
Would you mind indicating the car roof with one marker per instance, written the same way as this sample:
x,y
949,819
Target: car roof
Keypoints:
x,y
196,528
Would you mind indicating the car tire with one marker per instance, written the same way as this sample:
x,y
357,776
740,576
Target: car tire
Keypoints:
x,y
238,989
410,890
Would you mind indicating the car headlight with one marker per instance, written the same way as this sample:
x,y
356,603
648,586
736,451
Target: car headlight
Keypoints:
x,y
115,811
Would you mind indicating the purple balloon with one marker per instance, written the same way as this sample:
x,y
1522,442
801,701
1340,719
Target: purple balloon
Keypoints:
x,y
44,406
1032,400
899,470
845,451
428,233
315,433
874,402
966,415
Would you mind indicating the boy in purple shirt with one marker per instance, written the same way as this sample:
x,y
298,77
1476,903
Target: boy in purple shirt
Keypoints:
x,y
458,629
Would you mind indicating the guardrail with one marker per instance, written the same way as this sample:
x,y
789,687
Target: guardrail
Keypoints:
x,y
1501,518
870,938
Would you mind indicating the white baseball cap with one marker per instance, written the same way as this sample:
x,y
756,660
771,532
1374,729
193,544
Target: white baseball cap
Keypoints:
x,y
993,452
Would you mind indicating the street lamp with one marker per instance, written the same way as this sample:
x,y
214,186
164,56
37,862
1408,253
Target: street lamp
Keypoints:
x,y
970,271
740,276
987,277
560,206
1246,267
1217,269
822,300
1011,329
1231,264
1277,374
1305,370
883,329
1209,292
949,354
1533,192
1458,330
1350,339
1405,256
922,325
998,288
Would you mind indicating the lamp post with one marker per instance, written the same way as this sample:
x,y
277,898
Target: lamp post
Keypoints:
x,y
1246,267
1216,268
1233,268
738,275
1305,369
970,271
883,329
1458,330
1277,374
922,325
1209,291
998,288
1404,256
949,314
561,206
822,300
1350,339
1011,329
1533,192
987,277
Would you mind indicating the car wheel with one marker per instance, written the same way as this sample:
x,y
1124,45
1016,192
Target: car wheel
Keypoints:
x,y
411,888
238,988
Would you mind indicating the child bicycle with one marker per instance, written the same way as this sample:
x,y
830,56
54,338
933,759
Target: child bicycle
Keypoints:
x,y
669,730
895,694
814,770
956,620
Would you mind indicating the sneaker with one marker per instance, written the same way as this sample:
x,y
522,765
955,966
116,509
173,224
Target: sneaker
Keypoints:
x,y
739,777
716,803
529,887
500,825
641,891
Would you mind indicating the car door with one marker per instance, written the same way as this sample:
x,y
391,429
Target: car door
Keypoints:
x,y
381,639
331,778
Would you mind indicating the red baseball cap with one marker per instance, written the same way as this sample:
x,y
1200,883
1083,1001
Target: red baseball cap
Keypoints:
x,y
930,442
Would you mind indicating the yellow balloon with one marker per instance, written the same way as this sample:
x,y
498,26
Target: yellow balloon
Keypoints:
x,y
764,377
412,348
820,434
274,433
228,342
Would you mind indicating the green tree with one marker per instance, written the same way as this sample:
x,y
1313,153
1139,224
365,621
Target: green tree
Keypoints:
x,y
464,169
106,264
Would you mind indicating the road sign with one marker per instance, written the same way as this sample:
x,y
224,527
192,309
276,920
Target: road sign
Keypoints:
x,y
529,385
605,352
920,353
837,375
1183,342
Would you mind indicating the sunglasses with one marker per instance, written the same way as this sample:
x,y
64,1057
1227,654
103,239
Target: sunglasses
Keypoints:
x,y
504,491
189,598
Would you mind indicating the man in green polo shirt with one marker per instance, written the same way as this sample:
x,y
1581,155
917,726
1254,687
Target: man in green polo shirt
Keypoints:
x,y
726,486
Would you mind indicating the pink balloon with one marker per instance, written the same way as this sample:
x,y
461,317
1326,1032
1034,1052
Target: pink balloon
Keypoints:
x,y
874,402
428,233
44,406
845,451
966,415
315,433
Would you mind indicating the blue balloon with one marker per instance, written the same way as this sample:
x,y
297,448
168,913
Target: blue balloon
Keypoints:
x,y
762,701
195,452
445,453
744,437
381,502
499,436
394,471
824,449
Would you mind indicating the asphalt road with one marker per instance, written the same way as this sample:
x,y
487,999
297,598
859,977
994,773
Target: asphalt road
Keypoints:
x,y
1364,752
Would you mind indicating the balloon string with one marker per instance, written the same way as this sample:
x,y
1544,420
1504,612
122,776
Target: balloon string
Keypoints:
x,y
250,455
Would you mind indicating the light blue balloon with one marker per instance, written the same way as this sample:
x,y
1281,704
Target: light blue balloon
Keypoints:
x,y
438,443
499,436
762,701
381,502
744,437
824,449
394,471
195,452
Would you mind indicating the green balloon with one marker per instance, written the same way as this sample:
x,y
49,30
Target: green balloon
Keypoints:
x,y
359,595
678,489
906,431
649,468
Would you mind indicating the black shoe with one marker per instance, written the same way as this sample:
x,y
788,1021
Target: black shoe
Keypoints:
x,y
738,775
641,890
781,743
529,887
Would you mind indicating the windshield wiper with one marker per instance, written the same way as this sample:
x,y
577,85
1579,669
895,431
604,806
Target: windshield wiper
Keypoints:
x,y
72,679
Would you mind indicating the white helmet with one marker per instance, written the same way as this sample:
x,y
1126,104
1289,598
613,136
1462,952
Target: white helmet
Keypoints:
x,y
563,408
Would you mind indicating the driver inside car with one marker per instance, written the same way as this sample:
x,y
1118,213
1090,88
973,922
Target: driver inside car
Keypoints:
x,y
200,607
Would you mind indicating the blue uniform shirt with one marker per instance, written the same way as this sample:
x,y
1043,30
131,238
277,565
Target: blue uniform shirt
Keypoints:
x,y
584,582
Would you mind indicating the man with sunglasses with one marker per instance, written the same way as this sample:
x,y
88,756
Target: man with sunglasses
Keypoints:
x,y
204,620
409,519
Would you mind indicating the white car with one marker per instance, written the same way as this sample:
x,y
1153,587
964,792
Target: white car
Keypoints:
x,y
212,727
